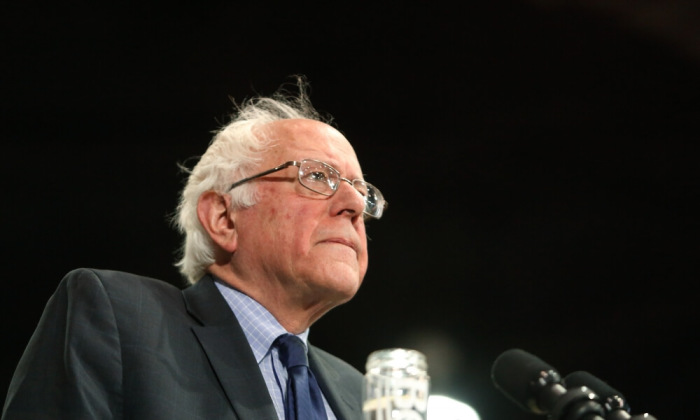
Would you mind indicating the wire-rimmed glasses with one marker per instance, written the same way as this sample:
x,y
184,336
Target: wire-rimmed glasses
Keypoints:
x,y
324,179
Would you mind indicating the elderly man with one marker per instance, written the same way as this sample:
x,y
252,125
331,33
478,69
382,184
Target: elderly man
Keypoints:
x,y
274,221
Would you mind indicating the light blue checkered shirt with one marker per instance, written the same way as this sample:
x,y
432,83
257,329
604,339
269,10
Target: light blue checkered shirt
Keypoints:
x,y
261,329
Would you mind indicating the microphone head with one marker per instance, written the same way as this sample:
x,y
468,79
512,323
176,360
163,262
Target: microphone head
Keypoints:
x,y
525,379
612,398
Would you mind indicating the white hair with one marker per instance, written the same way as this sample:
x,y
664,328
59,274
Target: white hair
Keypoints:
x,y
233,153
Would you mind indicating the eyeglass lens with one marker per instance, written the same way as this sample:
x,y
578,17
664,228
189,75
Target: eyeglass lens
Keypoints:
x,y
323,179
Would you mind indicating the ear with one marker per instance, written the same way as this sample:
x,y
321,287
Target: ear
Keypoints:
x,y
213,211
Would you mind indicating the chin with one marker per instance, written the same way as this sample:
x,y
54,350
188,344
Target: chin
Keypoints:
x,y
334,279
343,289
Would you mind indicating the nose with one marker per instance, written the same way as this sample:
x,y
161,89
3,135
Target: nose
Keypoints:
x,y
349,199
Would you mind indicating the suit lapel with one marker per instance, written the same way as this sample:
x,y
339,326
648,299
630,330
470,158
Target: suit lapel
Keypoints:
x,y
339,397
228,351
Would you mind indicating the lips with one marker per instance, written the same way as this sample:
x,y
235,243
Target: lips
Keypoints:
x,y
342,241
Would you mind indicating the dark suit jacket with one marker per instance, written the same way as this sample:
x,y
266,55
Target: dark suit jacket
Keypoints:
x,y
113,345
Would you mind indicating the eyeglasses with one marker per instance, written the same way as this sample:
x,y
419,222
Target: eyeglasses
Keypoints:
x,y
324,179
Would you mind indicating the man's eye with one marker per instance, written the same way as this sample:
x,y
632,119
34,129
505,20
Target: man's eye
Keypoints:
x,y
317,176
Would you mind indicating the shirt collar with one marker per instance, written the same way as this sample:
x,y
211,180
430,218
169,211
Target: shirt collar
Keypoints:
x,y
260,327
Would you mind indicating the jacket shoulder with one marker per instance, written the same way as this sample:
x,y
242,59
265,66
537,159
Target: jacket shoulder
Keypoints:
x,y
115,277
124,290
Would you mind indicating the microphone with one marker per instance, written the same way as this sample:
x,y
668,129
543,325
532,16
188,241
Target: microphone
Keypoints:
x,y
614,402
537,387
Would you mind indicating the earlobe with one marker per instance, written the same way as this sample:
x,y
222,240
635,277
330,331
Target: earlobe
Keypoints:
x,y
214,214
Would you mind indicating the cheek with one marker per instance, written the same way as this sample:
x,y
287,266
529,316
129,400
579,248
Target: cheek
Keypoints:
x,y
289,226
364,257
280,209
288,217
364,260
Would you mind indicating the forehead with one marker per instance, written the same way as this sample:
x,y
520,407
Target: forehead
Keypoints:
x,y
297,139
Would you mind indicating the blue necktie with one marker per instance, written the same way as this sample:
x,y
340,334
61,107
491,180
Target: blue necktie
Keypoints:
x,y
304,400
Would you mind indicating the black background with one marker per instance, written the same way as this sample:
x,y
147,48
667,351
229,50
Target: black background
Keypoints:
x,y
540,162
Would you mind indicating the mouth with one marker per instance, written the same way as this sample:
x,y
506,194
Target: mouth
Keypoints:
x,y
340,241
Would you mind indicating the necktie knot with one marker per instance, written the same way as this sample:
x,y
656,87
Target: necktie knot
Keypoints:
x,y
292,352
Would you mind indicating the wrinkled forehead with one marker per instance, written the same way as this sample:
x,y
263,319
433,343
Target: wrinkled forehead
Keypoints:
x,y
297,139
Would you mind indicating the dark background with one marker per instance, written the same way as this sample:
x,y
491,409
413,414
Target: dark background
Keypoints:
x,y
540,161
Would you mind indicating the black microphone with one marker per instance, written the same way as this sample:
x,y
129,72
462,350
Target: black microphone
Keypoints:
x,y
536,387
614,402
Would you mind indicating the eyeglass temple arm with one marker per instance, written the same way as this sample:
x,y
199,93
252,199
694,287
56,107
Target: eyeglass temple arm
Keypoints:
x,y
269,171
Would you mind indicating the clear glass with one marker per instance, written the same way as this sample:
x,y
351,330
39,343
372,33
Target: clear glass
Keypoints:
x,y
396,385
324,179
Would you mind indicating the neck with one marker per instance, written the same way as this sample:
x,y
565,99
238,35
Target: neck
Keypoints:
x,y
295,311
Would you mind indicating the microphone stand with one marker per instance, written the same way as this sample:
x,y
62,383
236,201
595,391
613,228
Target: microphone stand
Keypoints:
x,y
615,404
579,403
538,388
